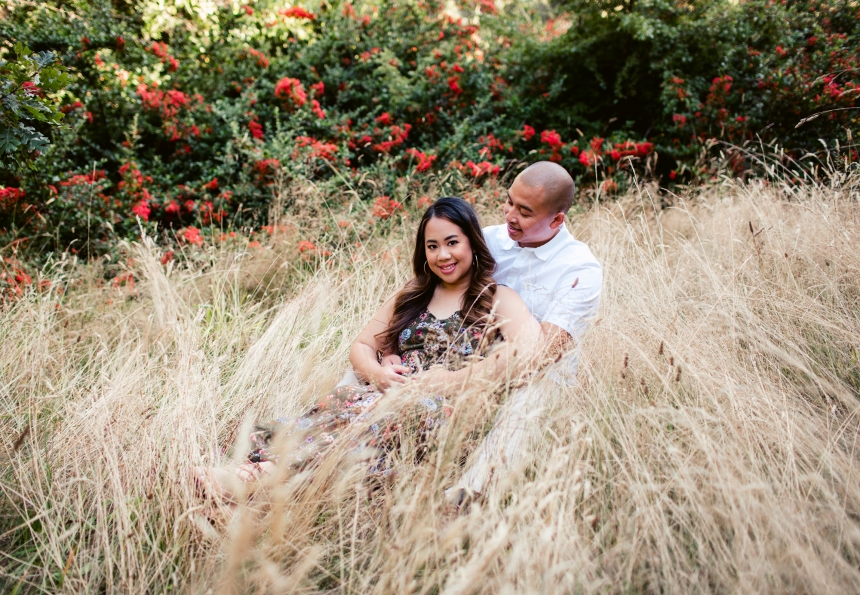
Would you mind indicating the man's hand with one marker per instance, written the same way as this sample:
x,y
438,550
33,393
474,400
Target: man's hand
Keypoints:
x,y
555,341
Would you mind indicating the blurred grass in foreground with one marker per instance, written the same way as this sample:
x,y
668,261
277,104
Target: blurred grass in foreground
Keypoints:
x,y
708,447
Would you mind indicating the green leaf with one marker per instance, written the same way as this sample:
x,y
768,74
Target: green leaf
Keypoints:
x,y
44,58
9,142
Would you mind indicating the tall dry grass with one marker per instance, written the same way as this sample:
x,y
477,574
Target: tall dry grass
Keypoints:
x,y
710,445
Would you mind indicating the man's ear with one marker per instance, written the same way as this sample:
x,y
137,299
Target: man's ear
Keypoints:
x,y
557,221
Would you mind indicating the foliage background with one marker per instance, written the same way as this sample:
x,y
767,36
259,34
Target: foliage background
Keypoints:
x,y
189,114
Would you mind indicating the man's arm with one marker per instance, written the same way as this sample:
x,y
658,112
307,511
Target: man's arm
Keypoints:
x,y
555,341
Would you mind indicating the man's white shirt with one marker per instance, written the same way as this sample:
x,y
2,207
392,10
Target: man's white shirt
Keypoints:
x,y
560,283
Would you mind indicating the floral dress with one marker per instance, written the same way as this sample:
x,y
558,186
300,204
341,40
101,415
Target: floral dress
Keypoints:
x,y
426,342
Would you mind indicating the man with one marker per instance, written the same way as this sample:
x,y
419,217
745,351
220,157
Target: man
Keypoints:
x,y
560,281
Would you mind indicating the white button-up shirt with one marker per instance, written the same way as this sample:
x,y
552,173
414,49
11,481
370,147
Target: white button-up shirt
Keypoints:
x,y
560,283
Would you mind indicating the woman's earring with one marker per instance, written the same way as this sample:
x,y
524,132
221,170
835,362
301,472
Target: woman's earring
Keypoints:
x,y
475,258
425,269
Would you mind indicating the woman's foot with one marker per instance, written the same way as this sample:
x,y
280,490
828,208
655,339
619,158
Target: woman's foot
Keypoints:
x,y
226,485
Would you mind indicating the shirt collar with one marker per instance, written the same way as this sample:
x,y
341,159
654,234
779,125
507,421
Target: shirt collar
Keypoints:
x,y
544,252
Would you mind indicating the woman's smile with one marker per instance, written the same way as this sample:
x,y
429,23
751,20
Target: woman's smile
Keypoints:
x,y
447,269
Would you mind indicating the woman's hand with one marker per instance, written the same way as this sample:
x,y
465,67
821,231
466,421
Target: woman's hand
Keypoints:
x,y
389,375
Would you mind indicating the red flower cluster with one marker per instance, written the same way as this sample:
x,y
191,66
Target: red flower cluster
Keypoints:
x,y
306,246
384,207
133,185
676,84
318,89
317,110
491,143
159,48
609,186
266,169
319,149
528,132
213,185
30,88
476,170
190,235
366,56
262,60
14,278
295,12
292,90
425,161
553,139
90,178
720,88
487,6
397,135
454,85
209,214
10,195
256,129
169,103
72,106
355,144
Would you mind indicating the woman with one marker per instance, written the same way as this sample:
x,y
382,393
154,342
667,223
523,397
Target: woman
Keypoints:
x,y
451,314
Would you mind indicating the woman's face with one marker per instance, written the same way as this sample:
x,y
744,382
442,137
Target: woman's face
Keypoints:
x,y
448,251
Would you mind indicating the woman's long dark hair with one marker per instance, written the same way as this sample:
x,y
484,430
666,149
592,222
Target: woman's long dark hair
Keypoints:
x,y
417,293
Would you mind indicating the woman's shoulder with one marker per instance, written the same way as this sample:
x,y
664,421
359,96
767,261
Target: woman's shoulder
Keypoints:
x,y
506,297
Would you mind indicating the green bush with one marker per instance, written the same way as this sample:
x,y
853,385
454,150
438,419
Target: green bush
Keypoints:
x,y
196,115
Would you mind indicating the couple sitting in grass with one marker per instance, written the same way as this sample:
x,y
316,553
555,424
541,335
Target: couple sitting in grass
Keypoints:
x,y
497,302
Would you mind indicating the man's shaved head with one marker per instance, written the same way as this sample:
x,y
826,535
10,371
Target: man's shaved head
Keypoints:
x,y
558,188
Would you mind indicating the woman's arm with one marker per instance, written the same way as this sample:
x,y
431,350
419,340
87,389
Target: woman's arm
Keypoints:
x,y
362,354
518,354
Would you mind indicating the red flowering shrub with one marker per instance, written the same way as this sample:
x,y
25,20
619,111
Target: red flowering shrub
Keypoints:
x,y
403,90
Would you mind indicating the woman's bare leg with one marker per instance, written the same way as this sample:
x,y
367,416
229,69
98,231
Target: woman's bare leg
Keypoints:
x,y
227,484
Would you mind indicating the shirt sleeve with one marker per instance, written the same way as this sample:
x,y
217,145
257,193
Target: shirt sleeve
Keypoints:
x,y
576,298
490,239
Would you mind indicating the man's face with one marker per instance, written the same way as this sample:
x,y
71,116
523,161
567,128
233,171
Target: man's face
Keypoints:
x,y
531,223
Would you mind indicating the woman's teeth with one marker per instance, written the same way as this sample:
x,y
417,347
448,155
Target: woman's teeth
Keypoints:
x,y
448,267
